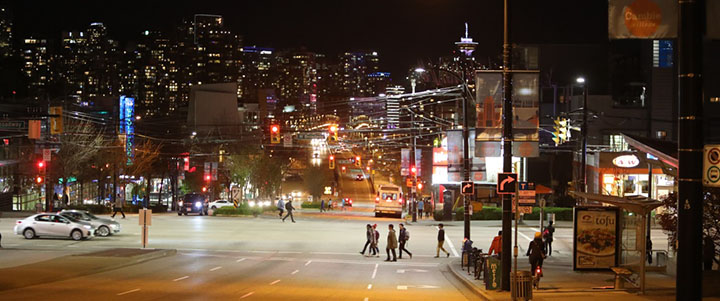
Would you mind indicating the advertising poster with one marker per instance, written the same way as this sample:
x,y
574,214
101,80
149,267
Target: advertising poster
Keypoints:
x,y
488,106
526,102
595,238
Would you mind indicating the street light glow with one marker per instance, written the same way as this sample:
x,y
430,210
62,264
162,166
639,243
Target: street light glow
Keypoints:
x,y
580,80
419,70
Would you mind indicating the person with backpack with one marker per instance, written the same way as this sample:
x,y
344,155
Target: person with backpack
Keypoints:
x,y
536,252
280,206
369,234
392,243
548,236
289,207
376,238
403,238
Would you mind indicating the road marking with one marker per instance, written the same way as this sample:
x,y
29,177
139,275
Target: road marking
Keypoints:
x,y
128,292
215,269
72,246
247,295
402,287
366,299
374,271
452,247
369,286
405,287
523,235
308,262
274,282
241,259
294,272
402,271
181,278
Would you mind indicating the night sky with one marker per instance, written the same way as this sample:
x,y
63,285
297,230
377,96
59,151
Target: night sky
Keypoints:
x,y
404,32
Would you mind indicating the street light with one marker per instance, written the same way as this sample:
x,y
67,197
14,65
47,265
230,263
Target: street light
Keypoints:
x,y
584,129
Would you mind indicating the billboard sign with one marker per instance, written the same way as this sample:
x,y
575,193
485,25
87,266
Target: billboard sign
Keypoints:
x,y
596,238
127,126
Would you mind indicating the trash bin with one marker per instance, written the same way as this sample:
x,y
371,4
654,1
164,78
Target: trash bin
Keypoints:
x,y
521,285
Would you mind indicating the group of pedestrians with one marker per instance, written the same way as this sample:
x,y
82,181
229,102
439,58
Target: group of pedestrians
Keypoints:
x,y
396,241
330,205
538,249
282,206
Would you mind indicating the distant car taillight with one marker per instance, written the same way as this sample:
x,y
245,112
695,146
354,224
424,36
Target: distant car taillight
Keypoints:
x,y
400,201
377,200
19,222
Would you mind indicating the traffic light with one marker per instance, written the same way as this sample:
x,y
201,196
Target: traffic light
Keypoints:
x,y
207,178
331,162
39,179
186,163
274,134
343,169
357,161
560,133
41,165
413,170
419,186
204,189
333,132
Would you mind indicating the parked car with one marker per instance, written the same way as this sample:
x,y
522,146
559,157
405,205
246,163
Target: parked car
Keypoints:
x,y
220,203
193,203
53,225
103,226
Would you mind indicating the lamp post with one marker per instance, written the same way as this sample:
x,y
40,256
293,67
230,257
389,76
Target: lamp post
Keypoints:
x,y
584,130
466,144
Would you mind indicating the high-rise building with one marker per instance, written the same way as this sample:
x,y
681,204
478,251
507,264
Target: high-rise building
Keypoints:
x,y
36,66
6,27
216,50
258,70
392,106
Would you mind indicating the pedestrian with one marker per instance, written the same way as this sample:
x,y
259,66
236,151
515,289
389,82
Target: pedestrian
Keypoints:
x,y
392,243
548,235
322,205
536,252
289,207
280,206
420,208
428,209
376,239
329,204
369,234
118,207
496,245
342,205
403,238
441,241
708,253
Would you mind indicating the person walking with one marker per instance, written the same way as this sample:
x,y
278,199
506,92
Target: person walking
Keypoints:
x,y
548,235
289,207
280,206
342,205
403,238
441,241
496,245
118,207
369,234
392,243
421,204
536,252
329,204
322,205
376,238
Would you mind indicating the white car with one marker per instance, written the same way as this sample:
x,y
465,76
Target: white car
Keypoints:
x,y
220,203
55,225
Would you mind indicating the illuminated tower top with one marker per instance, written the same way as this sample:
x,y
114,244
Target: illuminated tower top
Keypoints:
x,y
466,44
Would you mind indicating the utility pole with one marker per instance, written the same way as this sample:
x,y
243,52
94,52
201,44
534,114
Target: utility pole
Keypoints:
x,y
584,129
690,151
413,205
466,157
507,146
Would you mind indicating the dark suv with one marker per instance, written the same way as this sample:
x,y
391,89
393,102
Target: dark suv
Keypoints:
x,y
193,203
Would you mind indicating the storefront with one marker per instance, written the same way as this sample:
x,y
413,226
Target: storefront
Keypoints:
x,y
628,173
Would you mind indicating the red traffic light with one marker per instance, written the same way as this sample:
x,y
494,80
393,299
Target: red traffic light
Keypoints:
x,y
275,128
41,164
204,189
413,170
207,178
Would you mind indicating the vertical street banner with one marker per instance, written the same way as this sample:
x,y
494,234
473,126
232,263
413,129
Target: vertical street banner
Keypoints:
x,y
488,105
526,114
418,162
34,129
214,171
405,162
596,238
478,172
642,19
127,126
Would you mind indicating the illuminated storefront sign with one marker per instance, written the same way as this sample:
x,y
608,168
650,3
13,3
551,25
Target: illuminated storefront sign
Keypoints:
x,y
626,161
127,126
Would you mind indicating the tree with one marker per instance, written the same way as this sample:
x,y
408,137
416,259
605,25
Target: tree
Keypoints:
x,y
79,144
711,217
315,179
240,169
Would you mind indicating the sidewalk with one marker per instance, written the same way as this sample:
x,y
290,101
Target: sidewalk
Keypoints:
x,y
560,282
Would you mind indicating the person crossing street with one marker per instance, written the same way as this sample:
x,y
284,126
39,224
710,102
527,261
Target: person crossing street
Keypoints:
x,y
392,244
289,207
441,241
403,238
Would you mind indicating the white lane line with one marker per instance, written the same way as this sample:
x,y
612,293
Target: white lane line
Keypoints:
x,y
128,292
374,271
308,262
366,299
524,236
274,282
215,269
294,272
247,295
240,260
181,278
452,247
369,286
402,287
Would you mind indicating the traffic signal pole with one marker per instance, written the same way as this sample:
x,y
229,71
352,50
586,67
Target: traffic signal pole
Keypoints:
x,y
507,147
690,151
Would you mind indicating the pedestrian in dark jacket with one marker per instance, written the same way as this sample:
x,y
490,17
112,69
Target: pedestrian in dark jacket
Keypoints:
x,y
322,205
441,241
548,235
289,207
403,239
369,234
392,244
536,252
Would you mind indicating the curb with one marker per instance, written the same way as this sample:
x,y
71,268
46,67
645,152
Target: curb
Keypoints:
x,y
469,284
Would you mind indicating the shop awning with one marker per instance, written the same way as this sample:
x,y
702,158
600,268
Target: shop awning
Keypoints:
x,y
665,151
542,189
634,204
